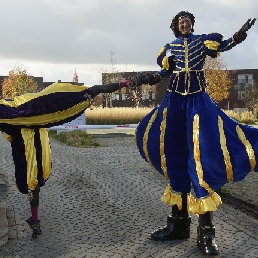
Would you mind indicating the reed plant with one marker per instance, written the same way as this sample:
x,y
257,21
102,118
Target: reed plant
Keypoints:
x,y
128,115
113,116
116,115
246,117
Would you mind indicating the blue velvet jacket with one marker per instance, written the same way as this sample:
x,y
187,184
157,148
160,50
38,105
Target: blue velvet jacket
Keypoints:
x,y
183,59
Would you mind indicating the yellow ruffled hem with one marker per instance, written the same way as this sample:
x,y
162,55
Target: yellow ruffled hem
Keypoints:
x,y
172,198
195,206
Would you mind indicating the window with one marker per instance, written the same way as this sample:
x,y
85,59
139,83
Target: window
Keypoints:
x,y
153,95
249,81
241,82
143,96
146,87
115,96
241,94
153,88
245,81
123,97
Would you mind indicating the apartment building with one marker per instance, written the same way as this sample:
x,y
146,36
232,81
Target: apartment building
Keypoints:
x,y
146,95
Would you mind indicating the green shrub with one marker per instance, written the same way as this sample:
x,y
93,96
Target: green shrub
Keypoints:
x,y
75,138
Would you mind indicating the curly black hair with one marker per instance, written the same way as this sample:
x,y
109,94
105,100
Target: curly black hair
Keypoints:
x,y
174,23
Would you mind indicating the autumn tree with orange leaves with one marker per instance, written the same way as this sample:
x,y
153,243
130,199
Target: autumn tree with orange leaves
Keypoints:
x,y
217,79
18,82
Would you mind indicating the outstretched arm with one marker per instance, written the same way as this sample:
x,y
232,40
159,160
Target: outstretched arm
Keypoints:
x,y
108,88
241,35
55,105
137,80
150,78
238,37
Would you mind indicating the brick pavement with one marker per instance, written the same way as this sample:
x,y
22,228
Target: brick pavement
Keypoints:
x,y
104,202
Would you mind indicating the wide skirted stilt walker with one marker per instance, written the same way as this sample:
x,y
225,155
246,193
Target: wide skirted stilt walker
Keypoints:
x,y
188,139
23,121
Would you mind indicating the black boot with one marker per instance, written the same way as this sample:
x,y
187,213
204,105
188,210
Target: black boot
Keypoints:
x,y
35,226
206,240
178,224
176,228
206,235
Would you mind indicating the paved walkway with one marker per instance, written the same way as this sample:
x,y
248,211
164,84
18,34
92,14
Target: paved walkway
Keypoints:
x,y
104,202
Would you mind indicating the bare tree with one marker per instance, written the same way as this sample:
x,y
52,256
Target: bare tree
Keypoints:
x,y
251,100
141,92
110,75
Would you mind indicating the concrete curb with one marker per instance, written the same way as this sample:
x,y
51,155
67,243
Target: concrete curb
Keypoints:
x,y
2,184
3,224
3,213
245,206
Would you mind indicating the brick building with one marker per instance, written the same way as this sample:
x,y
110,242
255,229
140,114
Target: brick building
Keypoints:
x,y
242,79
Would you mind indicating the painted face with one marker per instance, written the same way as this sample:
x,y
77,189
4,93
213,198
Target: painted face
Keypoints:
x,y
184,25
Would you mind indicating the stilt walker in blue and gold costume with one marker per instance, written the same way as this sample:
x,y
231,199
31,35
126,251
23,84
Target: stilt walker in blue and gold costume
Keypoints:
x,y
23,122
188,139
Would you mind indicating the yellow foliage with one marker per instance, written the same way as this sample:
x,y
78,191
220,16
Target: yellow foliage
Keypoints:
x,y
217,79
97,101
18,83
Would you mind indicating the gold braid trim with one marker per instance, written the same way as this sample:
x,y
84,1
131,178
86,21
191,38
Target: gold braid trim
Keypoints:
x,y
248,147
162,144
223,144
146,136
197,155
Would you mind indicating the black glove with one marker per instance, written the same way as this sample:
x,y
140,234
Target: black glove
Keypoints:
x,y
248,25
144,78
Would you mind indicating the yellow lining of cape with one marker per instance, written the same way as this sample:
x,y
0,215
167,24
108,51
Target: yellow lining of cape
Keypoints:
x,y
30,153
53,88
44,119
46,153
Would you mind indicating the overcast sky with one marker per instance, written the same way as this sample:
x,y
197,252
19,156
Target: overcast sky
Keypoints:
x,y
52,38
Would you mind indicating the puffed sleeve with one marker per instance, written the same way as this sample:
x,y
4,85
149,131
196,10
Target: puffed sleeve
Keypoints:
x,y
165,62
214,44
162,56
